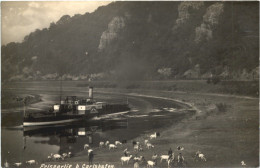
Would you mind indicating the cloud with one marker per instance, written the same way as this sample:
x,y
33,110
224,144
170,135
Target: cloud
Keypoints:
x,y
21,18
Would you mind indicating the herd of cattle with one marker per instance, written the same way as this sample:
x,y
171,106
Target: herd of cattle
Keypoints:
x,y
139,161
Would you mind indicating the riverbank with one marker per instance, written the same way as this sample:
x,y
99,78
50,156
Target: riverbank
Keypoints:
x,y
11,100
224,129
12,107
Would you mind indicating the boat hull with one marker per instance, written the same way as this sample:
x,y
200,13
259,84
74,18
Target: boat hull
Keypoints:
x,y
39,123
51,119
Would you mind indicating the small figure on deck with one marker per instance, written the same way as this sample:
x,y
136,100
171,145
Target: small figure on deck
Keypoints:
x,y
90,157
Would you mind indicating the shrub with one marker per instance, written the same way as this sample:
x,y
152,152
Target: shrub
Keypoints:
x,y
208,81
216,80
221,107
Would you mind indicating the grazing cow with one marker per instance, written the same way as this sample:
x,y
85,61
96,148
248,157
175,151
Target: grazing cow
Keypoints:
x,y
86,146
153,136
18,164
154,157
138,159
164,157
243,163
136,165
150,164
64,155
50,157
107,143
101,144
202,157
112,146
70,154
118,143
149,146
31,162
136,148
180,148
57,157
89,151
125,159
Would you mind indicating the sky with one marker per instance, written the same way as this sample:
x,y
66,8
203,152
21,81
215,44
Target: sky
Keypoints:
x,y
19,19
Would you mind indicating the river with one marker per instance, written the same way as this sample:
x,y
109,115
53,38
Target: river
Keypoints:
x,y
19,144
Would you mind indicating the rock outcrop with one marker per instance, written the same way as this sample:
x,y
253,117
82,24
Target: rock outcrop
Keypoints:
x,y
114,26
183,11
210,19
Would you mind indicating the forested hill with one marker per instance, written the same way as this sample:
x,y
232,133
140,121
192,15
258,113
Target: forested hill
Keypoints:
x,y
141,40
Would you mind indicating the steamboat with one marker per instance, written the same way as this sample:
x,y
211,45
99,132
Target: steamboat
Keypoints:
x,y
72,109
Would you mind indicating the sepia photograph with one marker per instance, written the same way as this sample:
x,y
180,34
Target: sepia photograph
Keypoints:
x,y
129,84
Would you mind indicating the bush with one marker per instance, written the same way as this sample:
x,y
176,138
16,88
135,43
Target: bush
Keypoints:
x,y
216,80
208,81
132,86
222,107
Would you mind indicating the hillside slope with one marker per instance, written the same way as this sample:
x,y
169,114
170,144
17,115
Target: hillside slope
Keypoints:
x,y
141,40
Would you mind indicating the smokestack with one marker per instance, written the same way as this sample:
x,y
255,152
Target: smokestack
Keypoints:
x,y
90,92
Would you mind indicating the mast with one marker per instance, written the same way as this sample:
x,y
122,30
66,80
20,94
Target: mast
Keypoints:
x,y
60,89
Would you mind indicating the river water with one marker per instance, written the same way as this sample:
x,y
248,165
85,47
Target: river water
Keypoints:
x,y
19,144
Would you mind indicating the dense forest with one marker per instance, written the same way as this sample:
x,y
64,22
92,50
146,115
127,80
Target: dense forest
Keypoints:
x,y
141,40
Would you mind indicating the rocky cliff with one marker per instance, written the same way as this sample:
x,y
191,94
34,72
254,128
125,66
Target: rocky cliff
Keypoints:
x,y
140,40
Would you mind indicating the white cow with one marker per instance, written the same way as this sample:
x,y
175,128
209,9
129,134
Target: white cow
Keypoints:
x,y
202,157
125,159
136,165
86,146
150,164
57,157
154,157
118,143
69,154
140,158
18,164
153,136
31,162
89,151
164,157
112,146
138,148
101,144
149,146
107,143
64,155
